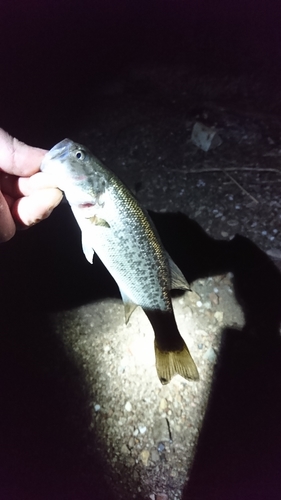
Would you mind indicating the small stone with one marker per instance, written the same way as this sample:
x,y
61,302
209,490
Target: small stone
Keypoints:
x,y
131,443
210,355
154,455
199,303
207,304
232,222
144,457
128,406
163,404
142,429
205,137
219,316
160,430
97,407
135,433
162,496
125,449
275,253
193,297
214,298
224,234
161,447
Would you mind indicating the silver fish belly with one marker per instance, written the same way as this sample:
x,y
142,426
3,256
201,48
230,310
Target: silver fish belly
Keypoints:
x,y
114,226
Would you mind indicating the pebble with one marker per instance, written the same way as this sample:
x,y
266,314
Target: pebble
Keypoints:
x,y
125,449
224,234
275,253
128,406
199,303
144,457
207,304
131,443
210,355
232,222
161,447
214,298
160,431
219,316
163,404
142,429
97,407
154,455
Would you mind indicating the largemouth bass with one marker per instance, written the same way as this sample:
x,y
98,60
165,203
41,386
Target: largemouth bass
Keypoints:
x,y
114,226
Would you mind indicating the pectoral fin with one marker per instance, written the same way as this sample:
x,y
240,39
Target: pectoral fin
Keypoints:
x,y
178,281
97,221
128,305
87,248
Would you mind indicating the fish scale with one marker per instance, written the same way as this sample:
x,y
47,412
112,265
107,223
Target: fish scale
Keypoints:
x,y
115,226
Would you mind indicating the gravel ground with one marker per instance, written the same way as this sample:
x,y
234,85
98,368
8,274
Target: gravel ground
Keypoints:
x,y
143,434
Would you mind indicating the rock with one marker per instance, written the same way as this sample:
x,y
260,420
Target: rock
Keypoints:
x,y
128,406
204,137
154,455
142,429
219,316
274,253
160,431
210,355
131,443
144,457
214,298
125,450
161,496
193,297
163,404
232,222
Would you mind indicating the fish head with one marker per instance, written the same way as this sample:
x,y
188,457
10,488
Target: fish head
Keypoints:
x,y
76,172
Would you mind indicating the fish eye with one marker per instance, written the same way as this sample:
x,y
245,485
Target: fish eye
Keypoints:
x,y
80,155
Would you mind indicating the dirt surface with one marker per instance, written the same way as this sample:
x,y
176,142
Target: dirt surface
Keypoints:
x,y
147,434
112,429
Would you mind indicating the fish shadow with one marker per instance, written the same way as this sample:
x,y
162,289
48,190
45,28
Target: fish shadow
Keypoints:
x,y
239,447
44,416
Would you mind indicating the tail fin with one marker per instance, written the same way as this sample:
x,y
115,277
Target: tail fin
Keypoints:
x,y
169,363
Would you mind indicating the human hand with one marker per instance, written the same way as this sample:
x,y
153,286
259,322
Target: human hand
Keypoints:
x,y
26,195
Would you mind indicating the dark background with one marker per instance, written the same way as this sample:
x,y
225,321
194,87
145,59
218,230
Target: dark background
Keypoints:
x,y
54,56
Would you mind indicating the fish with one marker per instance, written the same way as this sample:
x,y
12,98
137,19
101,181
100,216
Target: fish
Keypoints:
x,y
115,227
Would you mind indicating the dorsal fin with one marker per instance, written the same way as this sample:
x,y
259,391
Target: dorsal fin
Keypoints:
x,y
178,281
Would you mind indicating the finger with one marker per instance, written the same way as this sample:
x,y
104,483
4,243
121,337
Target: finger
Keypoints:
x,y
18,158
24,186
29,210
7,224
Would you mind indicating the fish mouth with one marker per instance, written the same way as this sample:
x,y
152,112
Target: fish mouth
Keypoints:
x,y
60,151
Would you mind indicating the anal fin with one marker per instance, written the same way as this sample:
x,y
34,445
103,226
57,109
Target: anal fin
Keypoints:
x,y
129,306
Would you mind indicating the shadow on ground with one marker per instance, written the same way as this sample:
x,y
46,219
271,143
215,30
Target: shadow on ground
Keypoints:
x,y
47,450
239,450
